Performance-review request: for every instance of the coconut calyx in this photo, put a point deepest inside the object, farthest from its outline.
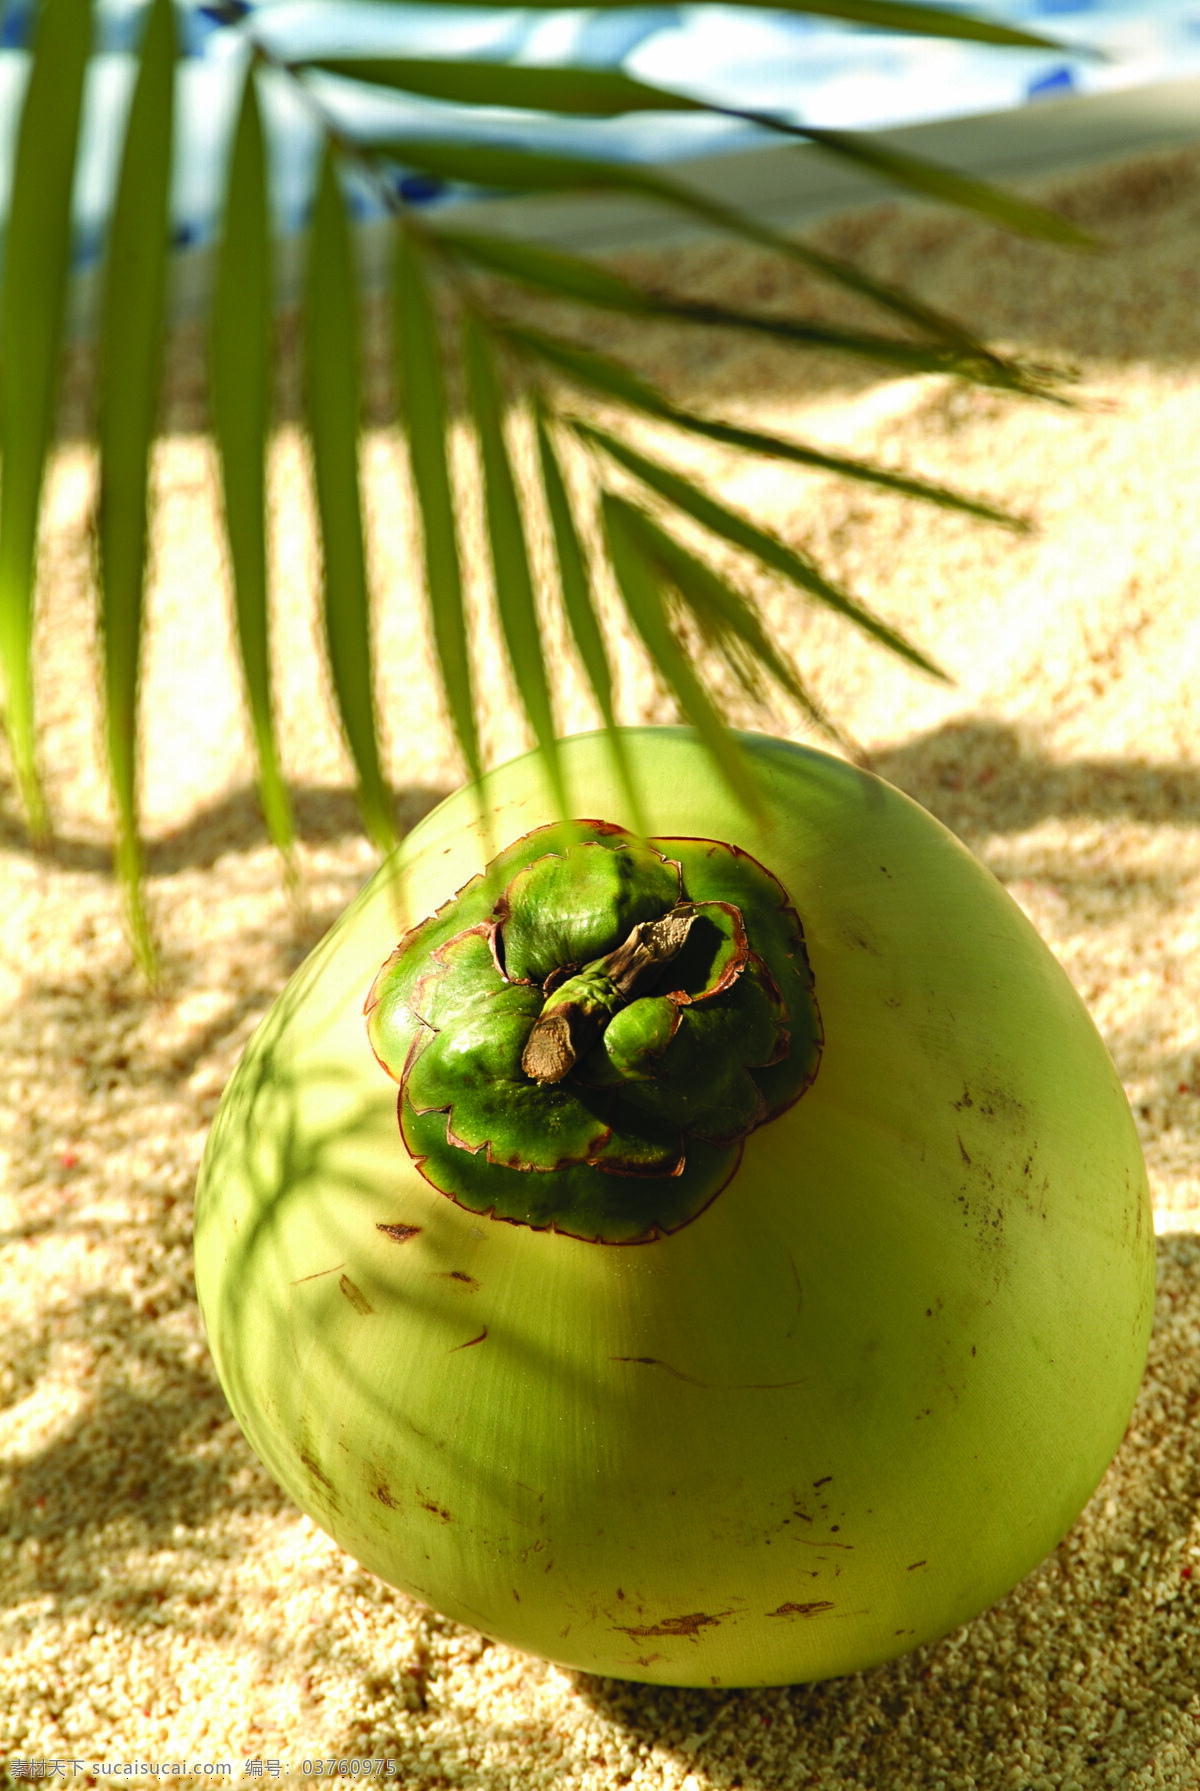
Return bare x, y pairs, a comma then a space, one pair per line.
577, 1012
586, 1033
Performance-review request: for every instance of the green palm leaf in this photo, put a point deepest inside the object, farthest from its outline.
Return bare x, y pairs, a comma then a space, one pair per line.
725, 619
585, 282
578, 607
510, 556
640, 582
595, 92
659, 580
919, 175
740, 532
609, 377
548, 270
422, 394
131, 333
240, 378
609, 93
538, 171
884, 15
37, 255
332, 396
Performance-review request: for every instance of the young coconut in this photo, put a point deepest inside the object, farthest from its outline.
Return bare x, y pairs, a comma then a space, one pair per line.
720, 1259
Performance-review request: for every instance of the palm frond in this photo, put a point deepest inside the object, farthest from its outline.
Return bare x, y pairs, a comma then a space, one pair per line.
574, 277
574, 583
130, 352
332, 398
548, 270
37, 254
640, 580
240, 369
513, 577
422, 392
568, 89
582, 92
726, 621
517, 375
882, 15
484, 164
916, 174
740, 532
610, 378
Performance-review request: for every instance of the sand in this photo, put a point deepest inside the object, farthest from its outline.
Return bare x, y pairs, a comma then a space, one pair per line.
160, 1600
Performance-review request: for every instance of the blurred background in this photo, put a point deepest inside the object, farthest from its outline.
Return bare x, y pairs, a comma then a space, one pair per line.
808, 70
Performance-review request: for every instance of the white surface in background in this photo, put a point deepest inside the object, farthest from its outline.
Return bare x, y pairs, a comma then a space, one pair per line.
807, 70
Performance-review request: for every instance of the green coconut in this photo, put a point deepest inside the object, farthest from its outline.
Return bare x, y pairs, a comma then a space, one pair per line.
718, 1258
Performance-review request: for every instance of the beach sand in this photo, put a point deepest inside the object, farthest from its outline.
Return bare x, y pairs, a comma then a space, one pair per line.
160, 1599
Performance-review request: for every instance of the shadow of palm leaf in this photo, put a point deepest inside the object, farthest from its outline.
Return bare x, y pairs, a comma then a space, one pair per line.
1074, 1642
982, 776
323, 814
146, 1451
283, 1163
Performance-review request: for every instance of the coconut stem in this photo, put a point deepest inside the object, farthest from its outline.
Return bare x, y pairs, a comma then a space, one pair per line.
576, 1014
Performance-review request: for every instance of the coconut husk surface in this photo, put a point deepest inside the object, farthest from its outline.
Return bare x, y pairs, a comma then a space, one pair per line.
161, 1601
